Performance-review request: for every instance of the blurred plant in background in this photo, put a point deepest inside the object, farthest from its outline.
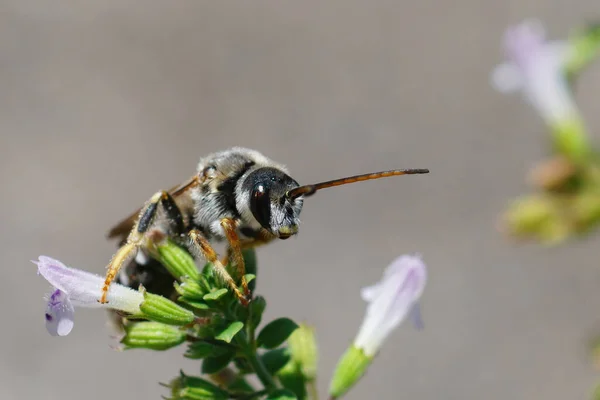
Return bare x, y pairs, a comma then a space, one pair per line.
566, 198
566, 201
240, 358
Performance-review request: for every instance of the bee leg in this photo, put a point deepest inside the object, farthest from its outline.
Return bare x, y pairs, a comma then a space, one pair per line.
235, 249
137, 234
209, 254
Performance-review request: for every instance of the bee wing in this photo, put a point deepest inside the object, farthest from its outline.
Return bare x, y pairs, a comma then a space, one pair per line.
122, 229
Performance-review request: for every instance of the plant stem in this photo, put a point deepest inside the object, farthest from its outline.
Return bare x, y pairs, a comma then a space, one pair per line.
261, 371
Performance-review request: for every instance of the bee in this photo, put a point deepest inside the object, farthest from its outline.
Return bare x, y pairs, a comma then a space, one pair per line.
237, 196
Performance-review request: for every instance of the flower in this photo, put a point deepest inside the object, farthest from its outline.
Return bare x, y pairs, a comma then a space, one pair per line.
390, 301
73, 287
537, 68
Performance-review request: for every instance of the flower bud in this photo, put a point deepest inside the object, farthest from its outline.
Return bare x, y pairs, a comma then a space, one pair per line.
160, 309
194, 388
152, 335
193, 289
177, 260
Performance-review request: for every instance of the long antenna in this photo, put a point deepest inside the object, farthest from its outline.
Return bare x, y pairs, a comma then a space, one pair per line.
309, 190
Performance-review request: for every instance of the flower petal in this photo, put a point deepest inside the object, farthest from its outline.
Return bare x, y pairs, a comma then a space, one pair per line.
390, 301
59, 314
84, 288
506, 78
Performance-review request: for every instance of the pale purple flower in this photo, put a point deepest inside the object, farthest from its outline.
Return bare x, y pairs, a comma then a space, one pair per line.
74, 287
391, 300
535, 67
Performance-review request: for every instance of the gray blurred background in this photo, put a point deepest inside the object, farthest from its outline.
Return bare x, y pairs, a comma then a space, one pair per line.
103, 103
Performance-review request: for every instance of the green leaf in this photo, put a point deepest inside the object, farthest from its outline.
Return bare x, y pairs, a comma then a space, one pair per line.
275, 333
212, 365
216, 295
228, 333
249, 278
257, 307
282, 394
200, 350
276, 359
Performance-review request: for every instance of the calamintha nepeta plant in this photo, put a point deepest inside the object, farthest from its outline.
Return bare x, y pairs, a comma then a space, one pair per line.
229, 337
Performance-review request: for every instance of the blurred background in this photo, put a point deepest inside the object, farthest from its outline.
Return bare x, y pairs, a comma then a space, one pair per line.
103, 103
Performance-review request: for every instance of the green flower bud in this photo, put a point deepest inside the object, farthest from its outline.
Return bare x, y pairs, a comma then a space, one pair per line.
586, 207
152, 335
177, 260
527, 215
349, 370
303, 347
160, 309
194, 388
193, 289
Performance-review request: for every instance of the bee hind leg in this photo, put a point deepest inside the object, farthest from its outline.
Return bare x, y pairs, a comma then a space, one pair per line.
136, 237
208, 253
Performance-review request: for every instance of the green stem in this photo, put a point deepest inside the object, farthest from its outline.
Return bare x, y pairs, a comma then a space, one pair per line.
249, 350
261, 371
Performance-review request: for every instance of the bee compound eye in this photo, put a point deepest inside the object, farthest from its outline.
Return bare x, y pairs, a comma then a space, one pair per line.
260, 205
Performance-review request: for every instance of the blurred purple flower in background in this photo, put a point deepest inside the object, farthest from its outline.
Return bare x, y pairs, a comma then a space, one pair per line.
536, 66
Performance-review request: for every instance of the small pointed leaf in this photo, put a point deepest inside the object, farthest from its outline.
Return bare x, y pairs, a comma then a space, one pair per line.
274, 360
275, 333
212, 365
230, 331
200, 350
216, 295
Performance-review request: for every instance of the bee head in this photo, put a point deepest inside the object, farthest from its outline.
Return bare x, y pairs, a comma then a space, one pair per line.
264, 199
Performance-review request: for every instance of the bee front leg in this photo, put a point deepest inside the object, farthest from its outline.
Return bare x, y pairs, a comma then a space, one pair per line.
208, 253
136, 237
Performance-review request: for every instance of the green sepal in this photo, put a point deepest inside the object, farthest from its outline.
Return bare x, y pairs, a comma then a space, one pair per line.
275, 333
571, 140
349, 370
214, 364
227, 334
152, 335
282, 394
195, 388
161, 309
256, 309
303, 348
216, 295
202, 349
177, 260
275, 360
